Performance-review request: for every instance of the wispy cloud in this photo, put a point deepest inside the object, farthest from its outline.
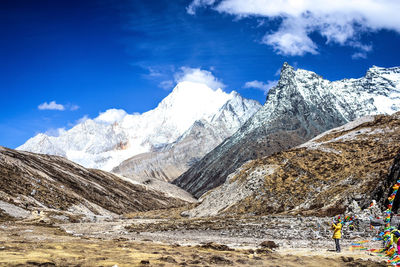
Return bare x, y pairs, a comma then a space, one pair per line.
110, 116
291, 39
54, 106
199, 76
191, 9
261, 85
73, 107
363, 50
82, 119
51, 106
55, 131
278, 72
154, 72
340, 22
166, 85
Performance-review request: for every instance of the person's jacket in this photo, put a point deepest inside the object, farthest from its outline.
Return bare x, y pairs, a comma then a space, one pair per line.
395, 235
337, 230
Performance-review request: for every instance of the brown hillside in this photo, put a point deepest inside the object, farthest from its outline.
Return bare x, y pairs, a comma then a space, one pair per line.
322, 176
33, 181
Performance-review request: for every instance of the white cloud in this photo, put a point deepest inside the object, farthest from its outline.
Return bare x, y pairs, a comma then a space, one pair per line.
154, 72
55, 132
111, 115
166, 85
359, 55
199, 76
54, 106
340, 21
363, 50
291, 39
51, 106
73, 107
83, 119
261, 85
191, 9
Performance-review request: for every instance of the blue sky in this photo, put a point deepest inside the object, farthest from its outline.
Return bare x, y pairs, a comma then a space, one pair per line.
66, 60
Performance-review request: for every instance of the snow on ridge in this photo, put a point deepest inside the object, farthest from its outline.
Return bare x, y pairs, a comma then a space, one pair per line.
315, 143
378, 92
113, 136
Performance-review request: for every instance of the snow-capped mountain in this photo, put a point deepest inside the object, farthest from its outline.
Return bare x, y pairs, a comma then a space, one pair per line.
345, 168
302, 105
114, 136
203, 136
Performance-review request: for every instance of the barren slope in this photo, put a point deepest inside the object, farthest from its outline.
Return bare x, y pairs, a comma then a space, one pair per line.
322, 176
31, 181
302, 105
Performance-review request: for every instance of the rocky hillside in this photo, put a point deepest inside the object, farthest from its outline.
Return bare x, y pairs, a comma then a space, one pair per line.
394, 175
322, 177
174, 159
115, 136
30, 182
301, 106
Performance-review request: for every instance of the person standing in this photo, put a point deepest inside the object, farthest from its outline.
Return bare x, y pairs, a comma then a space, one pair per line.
337, 228
396, 237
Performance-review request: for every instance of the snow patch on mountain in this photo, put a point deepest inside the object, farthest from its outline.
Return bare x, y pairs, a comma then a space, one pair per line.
202, 136
115, 136
301, 106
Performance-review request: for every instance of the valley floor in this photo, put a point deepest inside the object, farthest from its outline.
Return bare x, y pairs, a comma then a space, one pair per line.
141, 241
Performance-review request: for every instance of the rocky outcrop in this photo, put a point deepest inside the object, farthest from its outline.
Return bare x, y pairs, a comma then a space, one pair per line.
352, 163
382, 193
30, 182
172, 160
301, 106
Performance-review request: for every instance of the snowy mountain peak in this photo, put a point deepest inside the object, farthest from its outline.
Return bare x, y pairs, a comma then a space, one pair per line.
287, 70
113, 136
378, 92
300, 106
191, 87
290, 76
376, 69
286, 67
186, 94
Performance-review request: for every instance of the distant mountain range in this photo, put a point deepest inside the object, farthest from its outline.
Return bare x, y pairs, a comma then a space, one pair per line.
204, 135
192, 111
301, 106
341, 170
200, 136
230, 152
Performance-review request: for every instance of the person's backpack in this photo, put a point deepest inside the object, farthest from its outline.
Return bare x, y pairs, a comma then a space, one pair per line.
396, 233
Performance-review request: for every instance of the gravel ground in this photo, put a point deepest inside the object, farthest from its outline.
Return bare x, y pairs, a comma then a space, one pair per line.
173, 242
287, 232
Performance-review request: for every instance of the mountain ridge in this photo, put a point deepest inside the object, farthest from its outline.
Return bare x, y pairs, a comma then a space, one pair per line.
114, 136
344, 168
31, 182
170, 161
301, 106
